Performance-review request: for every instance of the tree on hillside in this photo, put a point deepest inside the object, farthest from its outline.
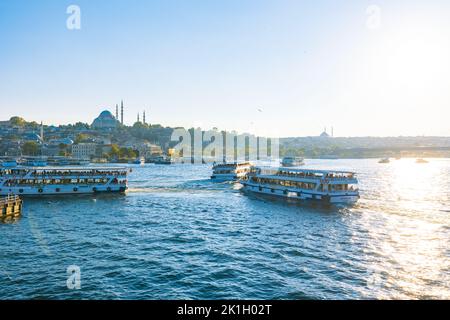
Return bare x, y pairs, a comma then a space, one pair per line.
30, 148
17, 121
63, 150
115, 151
81, 137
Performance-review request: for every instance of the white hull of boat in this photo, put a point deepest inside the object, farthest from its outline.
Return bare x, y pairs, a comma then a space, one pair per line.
297, 194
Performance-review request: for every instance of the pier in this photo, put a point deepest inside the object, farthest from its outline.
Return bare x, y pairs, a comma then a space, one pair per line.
10, 206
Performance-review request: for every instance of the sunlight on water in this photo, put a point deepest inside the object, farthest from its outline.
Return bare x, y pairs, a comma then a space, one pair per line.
412, 233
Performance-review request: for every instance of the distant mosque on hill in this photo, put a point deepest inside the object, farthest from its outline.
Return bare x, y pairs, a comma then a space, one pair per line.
325, 134
106, 120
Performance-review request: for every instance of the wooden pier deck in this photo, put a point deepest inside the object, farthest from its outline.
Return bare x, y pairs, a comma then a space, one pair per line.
10, 206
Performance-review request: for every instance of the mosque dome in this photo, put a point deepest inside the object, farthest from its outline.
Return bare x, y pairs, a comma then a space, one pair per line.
105, 120
106, 115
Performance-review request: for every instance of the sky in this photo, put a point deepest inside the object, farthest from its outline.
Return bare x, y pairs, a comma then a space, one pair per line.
270, 67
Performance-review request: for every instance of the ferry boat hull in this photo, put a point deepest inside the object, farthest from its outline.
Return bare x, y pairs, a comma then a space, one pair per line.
300, 195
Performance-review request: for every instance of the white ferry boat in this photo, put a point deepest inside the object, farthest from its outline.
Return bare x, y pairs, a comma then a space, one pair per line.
68, 180
325, 186
230, 171
292, 162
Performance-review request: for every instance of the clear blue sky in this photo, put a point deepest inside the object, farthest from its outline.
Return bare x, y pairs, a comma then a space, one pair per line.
210, 63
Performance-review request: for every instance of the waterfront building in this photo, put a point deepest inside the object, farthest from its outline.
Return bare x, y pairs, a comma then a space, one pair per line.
5, 124
84, 150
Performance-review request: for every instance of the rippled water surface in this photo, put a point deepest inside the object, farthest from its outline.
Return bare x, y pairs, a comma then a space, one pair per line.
176, 235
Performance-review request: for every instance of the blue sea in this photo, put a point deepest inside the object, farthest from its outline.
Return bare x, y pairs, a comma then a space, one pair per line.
177, 235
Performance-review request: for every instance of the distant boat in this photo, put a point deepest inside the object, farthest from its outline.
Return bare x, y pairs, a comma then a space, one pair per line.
163, 160
292, 161
385, 160
420, 160
139, 161
230, 171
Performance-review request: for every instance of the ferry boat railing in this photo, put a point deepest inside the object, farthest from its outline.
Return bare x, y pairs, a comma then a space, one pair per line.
309, 177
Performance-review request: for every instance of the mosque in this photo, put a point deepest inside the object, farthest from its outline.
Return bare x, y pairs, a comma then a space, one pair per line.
106, 120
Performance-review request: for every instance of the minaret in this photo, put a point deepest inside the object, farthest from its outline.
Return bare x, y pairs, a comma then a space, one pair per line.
42, 132
117, 112
138, 118
143, 117
121, 112
332, 132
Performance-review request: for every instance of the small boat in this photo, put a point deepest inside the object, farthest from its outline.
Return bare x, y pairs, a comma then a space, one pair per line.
420, 160
230, 171
385, 160
163, 160
325, 186
292, 161
37, 181
139, 161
